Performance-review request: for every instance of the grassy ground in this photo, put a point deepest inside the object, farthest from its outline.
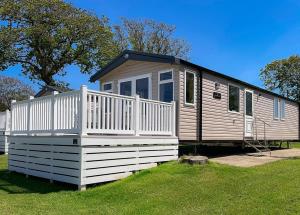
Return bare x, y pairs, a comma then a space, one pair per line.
169, 189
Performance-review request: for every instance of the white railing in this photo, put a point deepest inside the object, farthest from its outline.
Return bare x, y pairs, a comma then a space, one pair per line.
5, 120
93, 112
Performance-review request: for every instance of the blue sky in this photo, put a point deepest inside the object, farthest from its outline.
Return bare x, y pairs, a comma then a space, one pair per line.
236, 38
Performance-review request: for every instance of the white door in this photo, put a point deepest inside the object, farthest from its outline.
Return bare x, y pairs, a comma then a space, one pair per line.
248, 110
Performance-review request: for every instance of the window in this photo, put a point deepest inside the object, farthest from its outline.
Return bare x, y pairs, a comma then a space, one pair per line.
249, 107
139, 85
234, 98
165, 83
279, 108
189, 88
126, 88
107, 87
282, 112
276, 108
142, 88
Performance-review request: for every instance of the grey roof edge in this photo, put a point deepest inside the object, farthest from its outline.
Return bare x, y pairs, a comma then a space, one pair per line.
131, 55
142, 56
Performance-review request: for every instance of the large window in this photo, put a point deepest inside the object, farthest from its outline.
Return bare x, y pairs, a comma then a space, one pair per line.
139, 85
233, 98
107, 87
165, 83
189, 88
279, 108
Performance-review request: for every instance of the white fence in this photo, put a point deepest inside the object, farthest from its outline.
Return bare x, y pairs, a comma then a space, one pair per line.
92, 112
5, 121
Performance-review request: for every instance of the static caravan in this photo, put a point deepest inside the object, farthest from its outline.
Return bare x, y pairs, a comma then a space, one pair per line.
212, 108
4, 131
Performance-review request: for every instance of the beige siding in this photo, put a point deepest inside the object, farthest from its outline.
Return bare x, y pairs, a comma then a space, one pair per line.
136, 68
286, 129
219, 124
188, 115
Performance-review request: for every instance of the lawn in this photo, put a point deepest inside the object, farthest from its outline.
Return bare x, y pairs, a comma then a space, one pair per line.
171, 188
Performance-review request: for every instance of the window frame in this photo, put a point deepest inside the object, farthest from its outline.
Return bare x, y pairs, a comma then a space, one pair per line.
278, 108
282, 101
112, 87
185, 83
245, 108
228, 94
165, 82
133, 83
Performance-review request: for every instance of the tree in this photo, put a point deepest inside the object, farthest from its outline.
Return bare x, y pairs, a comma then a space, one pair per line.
149, 36
283, 76
45, 36
12, 89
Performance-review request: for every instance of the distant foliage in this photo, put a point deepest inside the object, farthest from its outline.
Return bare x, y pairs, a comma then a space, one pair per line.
283, 76
45, 36
150, 36
12, 89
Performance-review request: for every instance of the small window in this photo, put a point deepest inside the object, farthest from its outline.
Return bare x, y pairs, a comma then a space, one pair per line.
189, 88
234, 98
142, 87
282, 109
166, 86
166, 76
126, 88
107, 87
276, 108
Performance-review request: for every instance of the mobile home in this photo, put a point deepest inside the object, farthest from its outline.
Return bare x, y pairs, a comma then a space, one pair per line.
213, 108
146, 106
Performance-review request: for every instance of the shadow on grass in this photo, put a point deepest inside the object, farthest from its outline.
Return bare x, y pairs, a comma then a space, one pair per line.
15, 183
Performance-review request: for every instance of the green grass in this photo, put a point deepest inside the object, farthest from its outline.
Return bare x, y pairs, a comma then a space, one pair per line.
292, 145
169, 189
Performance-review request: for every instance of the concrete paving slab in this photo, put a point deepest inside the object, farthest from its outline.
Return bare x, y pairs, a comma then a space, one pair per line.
255, 159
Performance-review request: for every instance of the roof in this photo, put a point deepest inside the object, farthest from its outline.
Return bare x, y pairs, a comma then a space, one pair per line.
48, 88
141, 56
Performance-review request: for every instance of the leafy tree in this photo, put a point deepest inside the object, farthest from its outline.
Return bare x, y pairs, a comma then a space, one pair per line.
45, 36
149, 36
12, 89
283, 76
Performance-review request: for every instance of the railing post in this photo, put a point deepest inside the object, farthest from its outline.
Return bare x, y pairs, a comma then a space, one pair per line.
53, 112
29, 115
12, 128
174, 118
6, 120
137, 115
83, 108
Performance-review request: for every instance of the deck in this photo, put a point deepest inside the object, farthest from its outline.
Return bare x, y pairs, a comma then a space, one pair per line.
84, 137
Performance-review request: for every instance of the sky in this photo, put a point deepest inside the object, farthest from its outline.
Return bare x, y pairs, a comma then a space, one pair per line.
237, 38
